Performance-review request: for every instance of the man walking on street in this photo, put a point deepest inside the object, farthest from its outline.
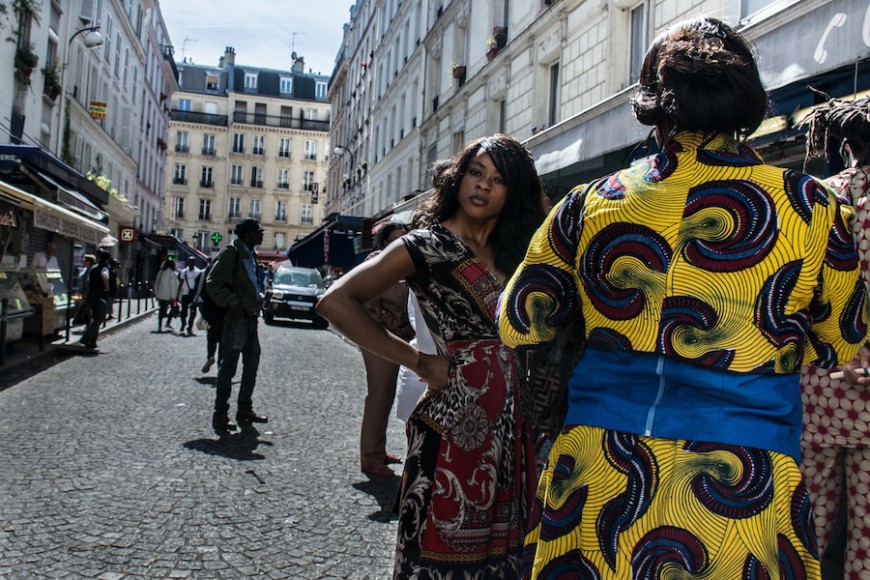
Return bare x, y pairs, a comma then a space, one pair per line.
187, 291
232, 284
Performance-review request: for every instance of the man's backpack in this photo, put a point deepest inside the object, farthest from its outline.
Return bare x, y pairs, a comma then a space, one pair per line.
209, 309
212, 313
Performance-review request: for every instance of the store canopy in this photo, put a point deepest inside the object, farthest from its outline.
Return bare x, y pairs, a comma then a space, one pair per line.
70, 198
179, 249
52, 217
334, 243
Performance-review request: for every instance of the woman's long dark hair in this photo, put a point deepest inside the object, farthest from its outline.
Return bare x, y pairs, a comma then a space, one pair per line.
524, 210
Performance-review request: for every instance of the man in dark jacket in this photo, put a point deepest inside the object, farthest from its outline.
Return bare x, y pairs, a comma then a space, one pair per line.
232, 284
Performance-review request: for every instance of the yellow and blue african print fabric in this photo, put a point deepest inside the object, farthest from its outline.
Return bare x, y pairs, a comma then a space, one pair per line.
613, 505
705, 255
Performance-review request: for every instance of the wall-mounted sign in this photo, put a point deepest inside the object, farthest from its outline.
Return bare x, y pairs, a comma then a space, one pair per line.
8, 215
127, 234
98, 109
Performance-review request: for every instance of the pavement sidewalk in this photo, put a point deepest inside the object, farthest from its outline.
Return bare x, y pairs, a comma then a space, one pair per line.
26, 357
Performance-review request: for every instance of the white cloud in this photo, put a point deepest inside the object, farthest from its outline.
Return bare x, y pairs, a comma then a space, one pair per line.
261, 31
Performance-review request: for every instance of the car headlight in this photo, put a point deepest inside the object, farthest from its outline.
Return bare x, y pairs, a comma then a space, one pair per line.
277, 295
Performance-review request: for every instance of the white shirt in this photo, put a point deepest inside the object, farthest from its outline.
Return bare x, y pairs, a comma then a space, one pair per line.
40, 261
187, 278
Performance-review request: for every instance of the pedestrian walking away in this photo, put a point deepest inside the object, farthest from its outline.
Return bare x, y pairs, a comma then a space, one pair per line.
96, 297
232, 284
166, 291
213, 316
699, 276
186, 293
836, 435
470, 466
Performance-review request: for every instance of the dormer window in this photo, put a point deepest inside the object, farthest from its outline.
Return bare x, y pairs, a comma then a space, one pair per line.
286, 85
251, 81
212, 83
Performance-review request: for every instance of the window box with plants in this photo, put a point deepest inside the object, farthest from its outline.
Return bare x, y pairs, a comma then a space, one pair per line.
51, 88
496, 42
25, 61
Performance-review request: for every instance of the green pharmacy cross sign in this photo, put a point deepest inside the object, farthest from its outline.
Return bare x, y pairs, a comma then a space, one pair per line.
216, 238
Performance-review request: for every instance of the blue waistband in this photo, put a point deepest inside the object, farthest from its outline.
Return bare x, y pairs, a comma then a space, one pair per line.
650, 394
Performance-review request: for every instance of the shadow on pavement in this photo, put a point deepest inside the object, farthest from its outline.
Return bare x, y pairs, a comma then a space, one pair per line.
385, 490
206, 381
239, 446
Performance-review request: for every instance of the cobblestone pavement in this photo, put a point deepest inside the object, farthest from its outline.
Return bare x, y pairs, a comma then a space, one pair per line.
110, 468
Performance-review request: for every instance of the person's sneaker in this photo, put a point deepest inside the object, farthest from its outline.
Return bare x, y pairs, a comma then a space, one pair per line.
168, 326
250, 417
207, 365
222, 422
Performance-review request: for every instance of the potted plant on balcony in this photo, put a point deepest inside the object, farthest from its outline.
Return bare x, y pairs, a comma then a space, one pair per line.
459, 73
496, 42
51, 88
25, 61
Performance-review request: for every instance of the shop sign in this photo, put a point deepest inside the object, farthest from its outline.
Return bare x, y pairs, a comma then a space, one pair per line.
127, 234
45, 219
98, 109
8, 216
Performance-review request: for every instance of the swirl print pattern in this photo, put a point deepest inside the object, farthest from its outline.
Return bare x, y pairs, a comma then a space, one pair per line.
699, 509
704, 254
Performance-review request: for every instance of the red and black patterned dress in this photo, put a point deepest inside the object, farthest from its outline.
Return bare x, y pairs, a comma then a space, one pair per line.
469, 468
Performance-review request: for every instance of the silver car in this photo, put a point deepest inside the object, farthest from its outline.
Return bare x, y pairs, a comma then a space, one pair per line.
293, 294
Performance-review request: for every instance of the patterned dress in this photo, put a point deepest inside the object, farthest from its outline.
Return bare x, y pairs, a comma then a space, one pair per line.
836, 437
706, 279
462, 506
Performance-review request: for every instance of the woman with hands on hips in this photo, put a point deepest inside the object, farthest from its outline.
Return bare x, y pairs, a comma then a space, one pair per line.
469, 465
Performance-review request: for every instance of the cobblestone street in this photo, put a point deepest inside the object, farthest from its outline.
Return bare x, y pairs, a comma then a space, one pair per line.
111, 469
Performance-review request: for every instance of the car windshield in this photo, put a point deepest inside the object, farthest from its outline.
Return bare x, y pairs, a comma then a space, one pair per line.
298, 278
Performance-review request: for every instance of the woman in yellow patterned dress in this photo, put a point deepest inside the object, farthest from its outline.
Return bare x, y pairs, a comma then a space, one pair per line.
706, 278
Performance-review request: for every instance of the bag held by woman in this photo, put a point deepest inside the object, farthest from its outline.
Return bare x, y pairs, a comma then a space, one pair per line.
544, 392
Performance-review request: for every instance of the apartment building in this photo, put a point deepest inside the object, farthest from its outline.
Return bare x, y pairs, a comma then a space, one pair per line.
558, 75
82, 124
246, 142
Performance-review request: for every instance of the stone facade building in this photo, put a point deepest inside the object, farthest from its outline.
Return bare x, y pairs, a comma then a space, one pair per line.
246, 142
417, 79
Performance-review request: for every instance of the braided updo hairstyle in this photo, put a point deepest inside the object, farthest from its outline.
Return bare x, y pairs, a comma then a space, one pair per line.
835, 124
700, 75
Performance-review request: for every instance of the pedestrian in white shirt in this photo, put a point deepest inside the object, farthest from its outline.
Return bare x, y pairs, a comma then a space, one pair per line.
186, 293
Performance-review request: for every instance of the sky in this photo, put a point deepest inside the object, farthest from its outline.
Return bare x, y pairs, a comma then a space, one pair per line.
261, 31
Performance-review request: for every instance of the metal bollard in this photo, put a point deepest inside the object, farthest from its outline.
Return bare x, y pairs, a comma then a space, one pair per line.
138, 297
128, 301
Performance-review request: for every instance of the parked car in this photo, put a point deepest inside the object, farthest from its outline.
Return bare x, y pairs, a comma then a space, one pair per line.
293, 294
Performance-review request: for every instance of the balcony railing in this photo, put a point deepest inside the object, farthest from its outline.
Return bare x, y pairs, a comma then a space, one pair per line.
258, 151
281, 218
194, 117
182, 149
206, 183
179, 181
234, 215
285, 154
255, 183
206, 217
239, 150
280, 121
281, 185
255, 215
208, 152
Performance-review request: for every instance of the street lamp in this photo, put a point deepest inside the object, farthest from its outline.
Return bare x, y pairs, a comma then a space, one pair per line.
341, 150
92, 39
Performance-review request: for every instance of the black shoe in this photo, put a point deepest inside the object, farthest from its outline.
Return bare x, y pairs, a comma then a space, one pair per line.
222, 422
250, 417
